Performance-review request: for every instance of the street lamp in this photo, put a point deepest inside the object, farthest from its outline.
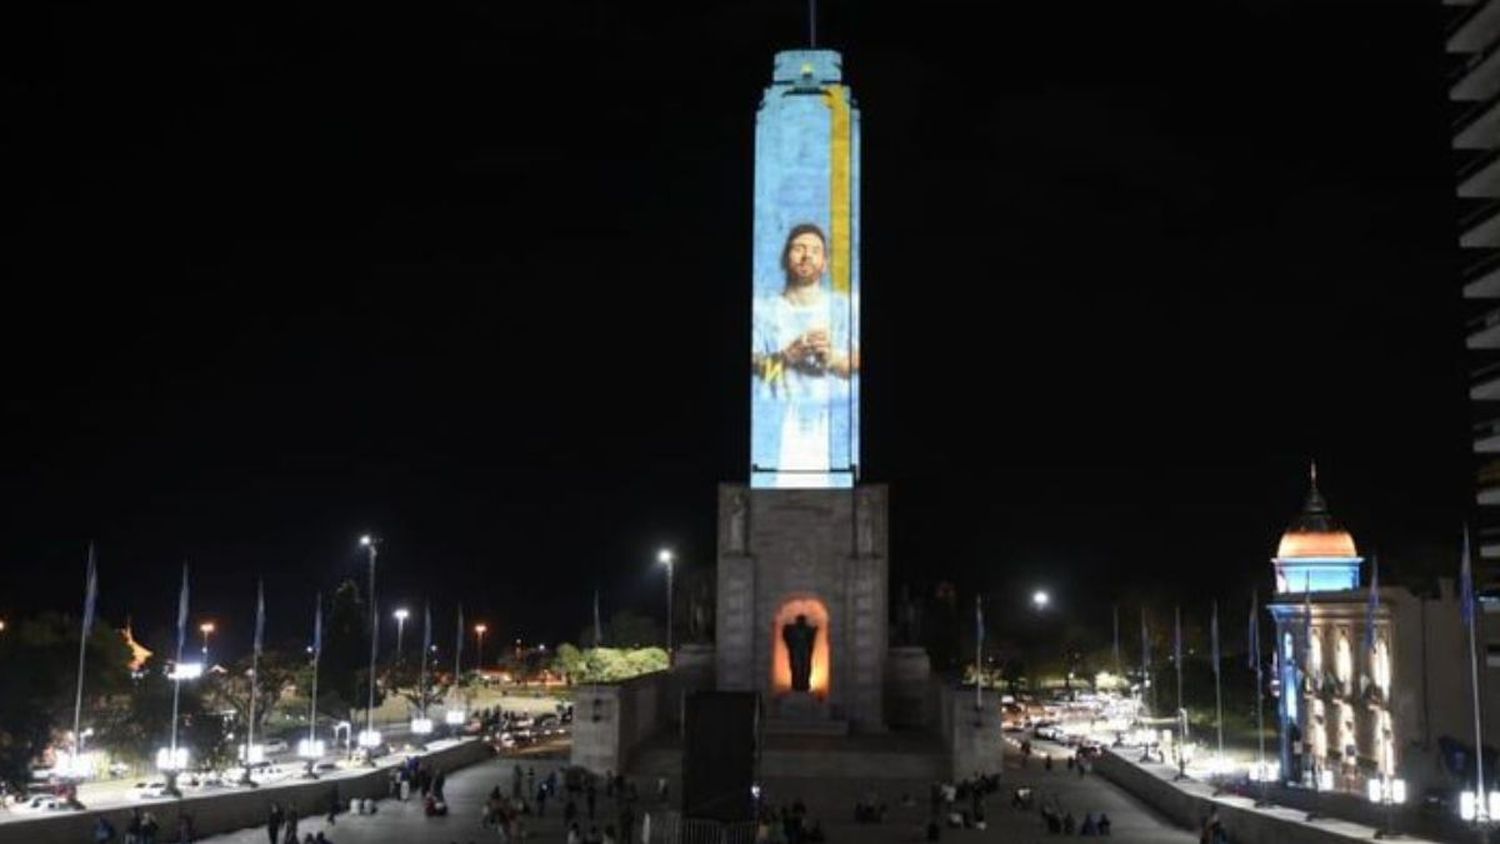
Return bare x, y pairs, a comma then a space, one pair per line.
1040, 599
479, 630
665, 557
401, 615
206, 628
1388, 792
370, 738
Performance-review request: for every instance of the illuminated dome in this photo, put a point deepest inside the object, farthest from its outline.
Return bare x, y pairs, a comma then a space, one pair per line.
1313, 532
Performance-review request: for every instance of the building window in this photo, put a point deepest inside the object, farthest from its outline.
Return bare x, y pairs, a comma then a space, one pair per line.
1381, 668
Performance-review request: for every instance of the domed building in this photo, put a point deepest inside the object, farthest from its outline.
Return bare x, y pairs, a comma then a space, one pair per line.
1316, 554
1366, 676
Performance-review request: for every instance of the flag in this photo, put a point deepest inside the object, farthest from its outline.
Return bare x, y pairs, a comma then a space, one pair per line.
458, 645
318, 626
1213, 632
90, 593
598, 625
1466, 584
1145, 645
1177, 636
1117, 637
1254, 632
182, 612
1372, 609
979, 621
260, 615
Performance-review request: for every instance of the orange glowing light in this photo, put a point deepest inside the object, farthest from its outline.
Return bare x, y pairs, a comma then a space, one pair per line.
781, 667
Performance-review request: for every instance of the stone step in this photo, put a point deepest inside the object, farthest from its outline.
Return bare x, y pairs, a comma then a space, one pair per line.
805, 727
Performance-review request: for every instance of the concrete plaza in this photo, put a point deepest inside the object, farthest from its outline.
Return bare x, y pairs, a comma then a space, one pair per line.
829, 801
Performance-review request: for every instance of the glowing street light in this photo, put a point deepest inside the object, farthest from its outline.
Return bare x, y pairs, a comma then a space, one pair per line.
401, 616
479, 630
369, 543
1040, 599
207, 629
665, 557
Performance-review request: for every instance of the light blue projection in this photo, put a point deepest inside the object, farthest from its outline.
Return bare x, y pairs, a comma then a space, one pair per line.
805, 358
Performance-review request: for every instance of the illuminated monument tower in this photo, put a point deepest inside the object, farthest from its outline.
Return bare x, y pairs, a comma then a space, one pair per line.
801, 615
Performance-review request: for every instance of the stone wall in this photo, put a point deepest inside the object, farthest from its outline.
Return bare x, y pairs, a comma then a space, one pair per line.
973, 733
1244, 823
777, 545
238, 809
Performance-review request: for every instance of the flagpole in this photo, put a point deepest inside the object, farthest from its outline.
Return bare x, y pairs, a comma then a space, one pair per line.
312, 705
1218, 691
182, 606
1177, 658
1260, 722
260, 619
90, 595
1481, 806
979, 655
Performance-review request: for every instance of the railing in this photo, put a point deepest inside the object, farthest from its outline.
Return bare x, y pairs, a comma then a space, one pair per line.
1478, 264
1478, 162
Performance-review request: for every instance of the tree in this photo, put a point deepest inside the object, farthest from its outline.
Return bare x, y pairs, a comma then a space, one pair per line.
38, 681
569, 662
232, 689
632, 630
143, 723
343, 671
406, 678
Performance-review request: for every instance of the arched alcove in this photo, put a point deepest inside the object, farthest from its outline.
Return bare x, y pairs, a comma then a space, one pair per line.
781, 669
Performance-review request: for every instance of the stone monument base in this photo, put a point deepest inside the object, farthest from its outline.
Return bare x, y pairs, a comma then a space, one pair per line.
801, 713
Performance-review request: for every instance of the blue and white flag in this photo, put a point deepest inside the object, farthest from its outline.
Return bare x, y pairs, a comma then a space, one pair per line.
1177, 635
979, 621
458, 644
260, 615
1466, 584
1255, 631
182, 612
1372, 609
90, 593
1145, 645
1213, 632
317, 646
426, 629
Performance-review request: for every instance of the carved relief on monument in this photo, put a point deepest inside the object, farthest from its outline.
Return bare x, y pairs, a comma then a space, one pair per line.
799, 653
865, 502
736, 523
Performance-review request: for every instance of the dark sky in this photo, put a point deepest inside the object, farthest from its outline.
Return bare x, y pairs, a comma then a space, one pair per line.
475, 276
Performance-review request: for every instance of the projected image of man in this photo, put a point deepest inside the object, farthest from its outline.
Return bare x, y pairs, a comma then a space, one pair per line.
802, 361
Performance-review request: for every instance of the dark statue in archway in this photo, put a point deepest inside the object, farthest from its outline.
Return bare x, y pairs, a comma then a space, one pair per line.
799, 638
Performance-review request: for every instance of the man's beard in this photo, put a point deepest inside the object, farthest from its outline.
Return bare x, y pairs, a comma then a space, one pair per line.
795, 279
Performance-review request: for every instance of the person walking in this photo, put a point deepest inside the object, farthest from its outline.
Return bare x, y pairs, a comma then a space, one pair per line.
291, 824
133, 829
333, 805
274, 820
149, 828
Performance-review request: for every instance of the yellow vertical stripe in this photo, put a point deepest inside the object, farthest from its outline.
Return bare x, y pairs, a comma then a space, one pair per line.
840, 195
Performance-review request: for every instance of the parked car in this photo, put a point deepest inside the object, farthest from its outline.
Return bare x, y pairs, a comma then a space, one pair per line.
276, 745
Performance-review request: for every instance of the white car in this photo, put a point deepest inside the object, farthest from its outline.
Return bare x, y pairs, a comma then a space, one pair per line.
276, 745
151, 791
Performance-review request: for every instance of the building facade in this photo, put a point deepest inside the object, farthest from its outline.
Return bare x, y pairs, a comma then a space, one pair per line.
1474, 43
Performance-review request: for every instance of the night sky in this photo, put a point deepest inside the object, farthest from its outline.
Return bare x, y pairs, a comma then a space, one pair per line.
475, 277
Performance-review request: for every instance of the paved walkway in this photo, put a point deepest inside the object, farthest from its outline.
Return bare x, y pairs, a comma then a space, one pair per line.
830, 801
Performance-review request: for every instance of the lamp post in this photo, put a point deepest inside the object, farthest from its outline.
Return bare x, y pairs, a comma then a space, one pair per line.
479, 631
401, 615
207, 629
370, 738
665, 557
1388, 792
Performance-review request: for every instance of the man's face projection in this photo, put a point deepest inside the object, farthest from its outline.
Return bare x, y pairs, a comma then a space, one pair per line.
805, 260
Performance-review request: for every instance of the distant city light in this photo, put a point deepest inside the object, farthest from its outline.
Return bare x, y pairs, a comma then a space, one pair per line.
186, 671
